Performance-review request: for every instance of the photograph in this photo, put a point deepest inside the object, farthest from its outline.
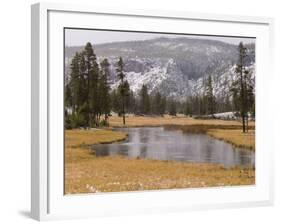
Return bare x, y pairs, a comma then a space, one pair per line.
157, 111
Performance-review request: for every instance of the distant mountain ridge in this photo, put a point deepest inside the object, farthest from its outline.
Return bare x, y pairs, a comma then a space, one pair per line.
176, 67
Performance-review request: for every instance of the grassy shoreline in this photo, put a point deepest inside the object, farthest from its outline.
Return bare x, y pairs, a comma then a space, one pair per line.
86, 173
235, 137
146, 121
228, 131
79, 141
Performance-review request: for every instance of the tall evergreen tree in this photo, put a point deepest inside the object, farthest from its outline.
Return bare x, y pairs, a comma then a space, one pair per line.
250, 96
84, 91
239, 71
196, 102
104, 88
188, 107
131, 103
144, 100
163, 105
126, 92
123, 86
156, 104
92, 77
242, 89
173, 108
74, 83
67, 106
76, 88
210, 97
116, 101
67, 96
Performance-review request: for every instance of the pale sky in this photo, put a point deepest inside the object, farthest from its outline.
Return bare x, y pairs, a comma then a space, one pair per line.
78, 37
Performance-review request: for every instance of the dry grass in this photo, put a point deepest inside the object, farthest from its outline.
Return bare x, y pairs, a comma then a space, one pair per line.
139, 121
90, 137
235, 137
77, 142
112, 174
85, 173
229, 131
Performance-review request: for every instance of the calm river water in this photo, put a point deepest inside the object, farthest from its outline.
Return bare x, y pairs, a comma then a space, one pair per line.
163, 144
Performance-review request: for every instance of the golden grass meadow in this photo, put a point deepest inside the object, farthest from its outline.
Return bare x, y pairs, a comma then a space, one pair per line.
86, 173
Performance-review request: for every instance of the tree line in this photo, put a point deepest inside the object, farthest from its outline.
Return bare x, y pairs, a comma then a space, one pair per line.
89, 101
87, 91
243, 89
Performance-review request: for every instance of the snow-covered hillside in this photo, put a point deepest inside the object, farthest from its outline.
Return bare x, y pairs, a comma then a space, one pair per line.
176, 67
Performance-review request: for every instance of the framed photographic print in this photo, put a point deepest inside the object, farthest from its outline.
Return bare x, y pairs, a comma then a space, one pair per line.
148, 111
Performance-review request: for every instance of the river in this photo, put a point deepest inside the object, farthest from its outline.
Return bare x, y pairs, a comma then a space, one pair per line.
162, 144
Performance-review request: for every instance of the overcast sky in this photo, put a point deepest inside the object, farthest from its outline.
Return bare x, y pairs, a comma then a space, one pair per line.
78, 37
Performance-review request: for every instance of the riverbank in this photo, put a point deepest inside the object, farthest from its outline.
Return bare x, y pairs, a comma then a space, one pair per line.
235, 137
86, 173
154, 121
226, 130
77, 142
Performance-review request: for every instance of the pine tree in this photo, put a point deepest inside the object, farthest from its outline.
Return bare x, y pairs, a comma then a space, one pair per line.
210, 97
67, 96
123, 86
249, 96
144, 100
242, 89
116, 101
75, 85
67, 106
156, 104
131, 103
197, 104
239, 71
104, 88
126, 89
163, 105
188, 107
92, 77
83, 108
173, 108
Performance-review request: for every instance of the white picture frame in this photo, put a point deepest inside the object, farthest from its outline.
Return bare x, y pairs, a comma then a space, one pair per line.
47, 198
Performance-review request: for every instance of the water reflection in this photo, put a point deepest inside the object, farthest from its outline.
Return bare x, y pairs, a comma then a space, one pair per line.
161, 144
